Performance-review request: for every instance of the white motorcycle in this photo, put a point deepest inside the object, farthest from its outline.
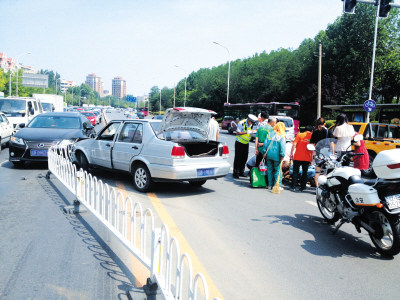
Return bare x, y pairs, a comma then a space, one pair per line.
343, 195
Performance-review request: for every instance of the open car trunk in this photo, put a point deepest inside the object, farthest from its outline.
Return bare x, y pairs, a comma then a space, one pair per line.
201, 149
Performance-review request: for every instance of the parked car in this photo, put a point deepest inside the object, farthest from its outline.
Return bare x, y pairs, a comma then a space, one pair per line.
174, 149
140, 114
91, 116
98, 116
6, 130
32, 142
80, 109
132, 116
108, 110
377, 137
158, 117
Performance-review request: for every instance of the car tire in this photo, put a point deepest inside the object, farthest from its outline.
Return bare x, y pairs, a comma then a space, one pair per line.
230, 129
197, 183
142, 180
18, 164
83, 162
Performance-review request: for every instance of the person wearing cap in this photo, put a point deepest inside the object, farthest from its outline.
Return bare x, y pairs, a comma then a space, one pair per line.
243, 137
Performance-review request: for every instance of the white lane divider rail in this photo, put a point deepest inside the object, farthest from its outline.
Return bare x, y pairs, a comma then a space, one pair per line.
129, 224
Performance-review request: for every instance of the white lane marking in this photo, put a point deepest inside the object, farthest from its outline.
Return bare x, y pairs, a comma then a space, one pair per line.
312, 203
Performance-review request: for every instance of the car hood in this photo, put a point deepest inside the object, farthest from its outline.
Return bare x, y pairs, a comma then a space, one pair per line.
186, 118
32, 134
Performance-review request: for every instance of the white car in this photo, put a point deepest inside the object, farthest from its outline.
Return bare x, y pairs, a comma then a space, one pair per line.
174, 149
6, 130
289, 124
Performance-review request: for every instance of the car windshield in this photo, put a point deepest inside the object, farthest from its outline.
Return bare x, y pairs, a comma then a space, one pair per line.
87, 114
55, 122
288, 122
12, 105
46, 106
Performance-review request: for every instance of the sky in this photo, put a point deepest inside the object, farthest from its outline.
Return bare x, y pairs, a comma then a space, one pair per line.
143, 40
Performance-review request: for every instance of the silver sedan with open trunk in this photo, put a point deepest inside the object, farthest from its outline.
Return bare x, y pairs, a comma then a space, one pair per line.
174, 149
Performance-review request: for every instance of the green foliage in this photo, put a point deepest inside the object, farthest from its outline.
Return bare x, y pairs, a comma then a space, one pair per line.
329, 123
291, 75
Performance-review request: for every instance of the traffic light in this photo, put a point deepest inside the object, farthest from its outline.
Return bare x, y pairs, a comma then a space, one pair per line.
384, 8
349, 6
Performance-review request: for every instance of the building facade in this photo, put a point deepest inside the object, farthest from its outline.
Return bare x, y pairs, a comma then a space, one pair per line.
119, 87
95, 83
65, 84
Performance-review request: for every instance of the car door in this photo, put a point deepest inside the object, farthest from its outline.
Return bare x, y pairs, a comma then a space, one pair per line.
128, 144
7, 127
100, 151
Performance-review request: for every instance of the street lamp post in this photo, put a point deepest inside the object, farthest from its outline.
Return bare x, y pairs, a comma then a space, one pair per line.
184, 103
80, 94
229, 69
160, 103
17, 68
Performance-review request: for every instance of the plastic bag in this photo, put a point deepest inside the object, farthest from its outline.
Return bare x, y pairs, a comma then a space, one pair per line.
256, 179
262, 167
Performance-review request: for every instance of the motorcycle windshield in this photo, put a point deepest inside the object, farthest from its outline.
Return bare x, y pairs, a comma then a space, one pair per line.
326, 148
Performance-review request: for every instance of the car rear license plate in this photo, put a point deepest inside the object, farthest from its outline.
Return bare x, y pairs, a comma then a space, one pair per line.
39, 152
205, 172
393, 201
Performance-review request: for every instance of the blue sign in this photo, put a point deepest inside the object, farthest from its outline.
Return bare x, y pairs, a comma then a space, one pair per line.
370, 105
131, 99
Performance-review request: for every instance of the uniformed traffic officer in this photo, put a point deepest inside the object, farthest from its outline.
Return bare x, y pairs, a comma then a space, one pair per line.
243, 137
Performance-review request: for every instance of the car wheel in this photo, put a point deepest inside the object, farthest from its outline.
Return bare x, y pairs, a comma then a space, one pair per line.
18, 164
197, 182
83, 162
142, 178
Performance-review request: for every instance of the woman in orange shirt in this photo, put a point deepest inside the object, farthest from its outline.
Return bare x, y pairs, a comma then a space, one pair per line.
302, 158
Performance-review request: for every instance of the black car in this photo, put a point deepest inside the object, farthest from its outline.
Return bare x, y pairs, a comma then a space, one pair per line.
140, 115
32, 142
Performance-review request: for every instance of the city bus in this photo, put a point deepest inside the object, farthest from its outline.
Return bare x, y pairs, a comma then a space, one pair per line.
233, 113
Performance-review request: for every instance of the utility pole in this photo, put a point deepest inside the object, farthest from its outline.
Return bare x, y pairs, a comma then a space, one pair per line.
174, 93
320, 55
319, 79
9, 86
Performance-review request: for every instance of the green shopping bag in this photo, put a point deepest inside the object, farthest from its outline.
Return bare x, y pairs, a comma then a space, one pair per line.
257, 180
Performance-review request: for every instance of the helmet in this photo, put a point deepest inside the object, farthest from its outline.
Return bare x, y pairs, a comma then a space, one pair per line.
252, 118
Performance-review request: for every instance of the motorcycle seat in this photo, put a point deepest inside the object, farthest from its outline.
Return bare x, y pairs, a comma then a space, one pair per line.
370, 182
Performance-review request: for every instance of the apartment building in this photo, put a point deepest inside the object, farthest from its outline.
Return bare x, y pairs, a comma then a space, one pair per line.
95, 83
119, 87
65, 84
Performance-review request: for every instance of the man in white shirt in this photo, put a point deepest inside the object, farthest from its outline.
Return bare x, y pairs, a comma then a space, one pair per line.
213, 130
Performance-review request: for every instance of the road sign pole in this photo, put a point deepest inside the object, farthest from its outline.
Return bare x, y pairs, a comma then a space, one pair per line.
373, 55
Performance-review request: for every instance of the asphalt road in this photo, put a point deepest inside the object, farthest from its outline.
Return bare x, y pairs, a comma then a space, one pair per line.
252, 244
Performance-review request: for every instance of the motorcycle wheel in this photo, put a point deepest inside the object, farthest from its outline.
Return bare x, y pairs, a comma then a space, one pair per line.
387, 237
329, 216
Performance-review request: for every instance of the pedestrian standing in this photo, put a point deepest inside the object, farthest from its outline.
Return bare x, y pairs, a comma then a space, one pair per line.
302, 157
320, 133
263, 129
243, 137
213, 130
344, 132
274, 151
360, 162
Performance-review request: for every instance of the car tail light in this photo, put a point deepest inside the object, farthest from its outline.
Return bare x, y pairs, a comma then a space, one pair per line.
394, 166
178, 152
225, 151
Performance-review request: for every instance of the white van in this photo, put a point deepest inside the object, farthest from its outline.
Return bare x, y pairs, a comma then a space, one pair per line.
20, 109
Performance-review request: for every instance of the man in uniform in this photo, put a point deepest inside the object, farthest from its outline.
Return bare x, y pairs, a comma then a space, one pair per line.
243, 137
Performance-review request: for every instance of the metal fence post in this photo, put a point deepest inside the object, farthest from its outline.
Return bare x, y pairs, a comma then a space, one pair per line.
151, 287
